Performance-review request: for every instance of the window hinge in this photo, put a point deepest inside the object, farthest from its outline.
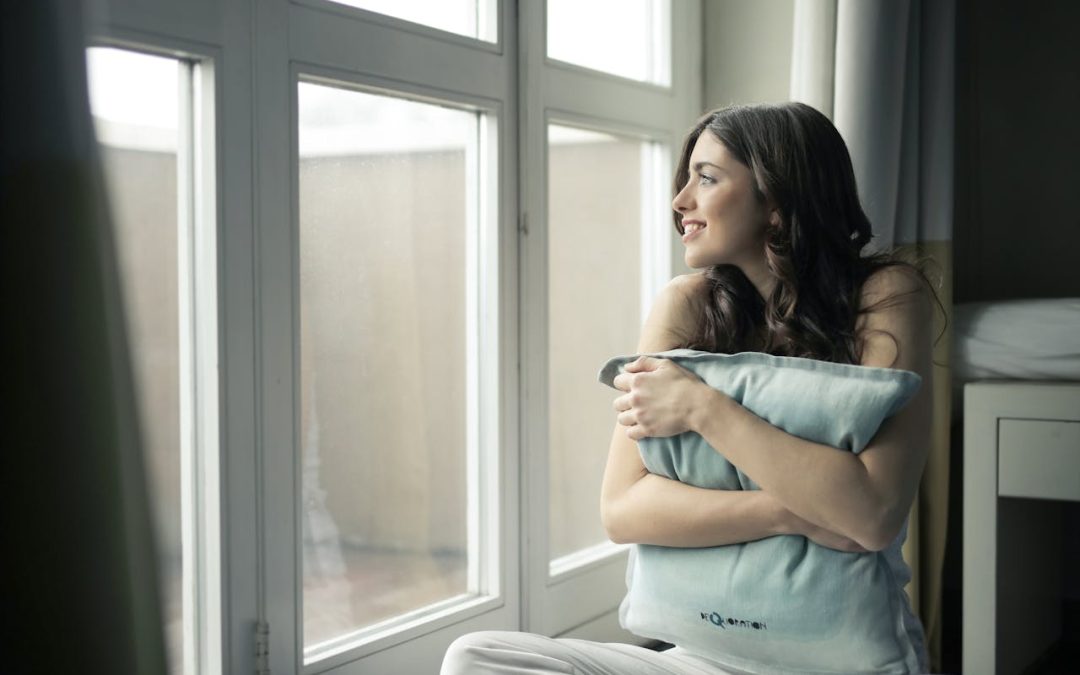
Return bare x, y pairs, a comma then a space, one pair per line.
523, 223
262, 648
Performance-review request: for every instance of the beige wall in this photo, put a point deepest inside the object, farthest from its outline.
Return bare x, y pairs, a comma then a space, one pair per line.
383, 346
595, 313
747, 51
144, 213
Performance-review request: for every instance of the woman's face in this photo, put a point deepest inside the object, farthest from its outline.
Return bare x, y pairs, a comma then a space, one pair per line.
723, 221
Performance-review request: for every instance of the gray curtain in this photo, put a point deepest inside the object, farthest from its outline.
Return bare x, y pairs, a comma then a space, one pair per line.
883, 71
78, 576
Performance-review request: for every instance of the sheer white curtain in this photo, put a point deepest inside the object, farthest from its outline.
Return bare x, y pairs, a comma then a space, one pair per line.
883, 71
78, 577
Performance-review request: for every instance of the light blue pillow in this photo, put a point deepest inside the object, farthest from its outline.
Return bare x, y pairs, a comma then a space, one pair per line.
782, 604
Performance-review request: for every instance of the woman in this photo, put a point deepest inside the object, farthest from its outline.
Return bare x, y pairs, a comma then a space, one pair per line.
766, 204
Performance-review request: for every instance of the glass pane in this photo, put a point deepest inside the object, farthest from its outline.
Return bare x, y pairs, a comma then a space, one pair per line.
628, 38
595, 204
387, 200
471, 18
134, 101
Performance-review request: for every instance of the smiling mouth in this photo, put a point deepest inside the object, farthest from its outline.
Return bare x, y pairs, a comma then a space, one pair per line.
691, 229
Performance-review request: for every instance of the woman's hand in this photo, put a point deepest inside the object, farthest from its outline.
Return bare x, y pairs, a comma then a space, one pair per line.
821, 536
660, 398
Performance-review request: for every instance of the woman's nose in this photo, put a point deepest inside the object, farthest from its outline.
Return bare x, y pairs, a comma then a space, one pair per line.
682, 200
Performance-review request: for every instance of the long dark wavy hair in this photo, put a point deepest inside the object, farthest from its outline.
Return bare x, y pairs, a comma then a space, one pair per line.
799, 160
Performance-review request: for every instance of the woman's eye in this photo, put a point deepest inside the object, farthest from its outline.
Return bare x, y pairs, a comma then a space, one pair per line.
705, 178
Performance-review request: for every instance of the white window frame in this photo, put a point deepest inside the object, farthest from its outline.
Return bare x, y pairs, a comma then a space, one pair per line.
482, 458
251, 56
581, 600
354, 46
227, 521
198, 271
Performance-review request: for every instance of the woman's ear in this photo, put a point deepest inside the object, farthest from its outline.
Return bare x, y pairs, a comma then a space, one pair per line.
774, 216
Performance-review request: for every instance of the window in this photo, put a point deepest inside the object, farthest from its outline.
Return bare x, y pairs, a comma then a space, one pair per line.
595, 179
386, 248
471, 18
628, 38
600, 201
390, 193
151, 135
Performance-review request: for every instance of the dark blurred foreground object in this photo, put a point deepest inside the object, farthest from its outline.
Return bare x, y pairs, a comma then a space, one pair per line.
78, 580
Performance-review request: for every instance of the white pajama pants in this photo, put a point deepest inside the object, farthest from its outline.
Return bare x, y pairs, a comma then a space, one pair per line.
506, 652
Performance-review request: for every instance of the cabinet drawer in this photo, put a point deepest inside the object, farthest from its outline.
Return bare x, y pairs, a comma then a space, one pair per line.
1039, 458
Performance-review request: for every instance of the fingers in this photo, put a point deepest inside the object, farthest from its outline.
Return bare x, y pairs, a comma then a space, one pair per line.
625, 381
628, 418
622, 381
642, 364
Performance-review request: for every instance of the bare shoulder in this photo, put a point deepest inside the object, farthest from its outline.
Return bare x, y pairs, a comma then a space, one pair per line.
895, 323
685, 292
896, 283
689, 284
676, 313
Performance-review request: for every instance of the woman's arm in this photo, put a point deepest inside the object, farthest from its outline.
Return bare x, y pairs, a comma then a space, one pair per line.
664, 512
864, 497
643, 508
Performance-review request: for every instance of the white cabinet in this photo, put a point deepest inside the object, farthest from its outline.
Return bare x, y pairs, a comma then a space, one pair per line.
1021, 460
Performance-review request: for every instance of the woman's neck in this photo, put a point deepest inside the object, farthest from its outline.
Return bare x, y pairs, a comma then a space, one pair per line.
759, 275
